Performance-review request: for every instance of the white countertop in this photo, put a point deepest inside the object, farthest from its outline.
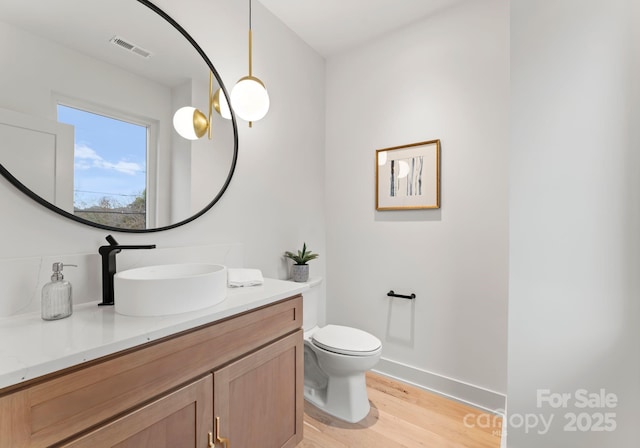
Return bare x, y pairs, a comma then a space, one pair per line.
31, 347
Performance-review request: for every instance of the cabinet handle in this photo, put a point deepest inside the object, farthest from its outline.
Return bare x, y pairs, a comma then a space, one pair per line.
219, 439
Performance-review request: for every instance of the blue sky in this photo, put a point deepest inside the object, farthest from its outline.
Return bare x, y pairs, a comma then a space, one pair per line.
110, 157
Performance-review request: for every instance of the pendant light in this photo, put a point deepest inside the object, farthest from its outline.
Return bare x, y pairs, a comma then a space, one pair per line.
249, 96
191, 123
220, 104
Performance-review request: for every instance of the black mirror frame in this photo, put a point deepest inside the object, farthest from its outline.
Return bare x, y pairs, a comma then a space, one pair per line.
20, 186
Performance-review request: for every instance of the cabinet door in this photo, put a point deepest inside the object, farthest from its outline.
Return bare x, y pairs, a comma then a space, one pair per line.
182, 419
259, 398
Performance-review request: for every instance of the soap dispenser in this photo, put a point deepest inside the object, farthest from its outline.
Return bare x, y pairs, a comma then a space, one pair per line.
56, 295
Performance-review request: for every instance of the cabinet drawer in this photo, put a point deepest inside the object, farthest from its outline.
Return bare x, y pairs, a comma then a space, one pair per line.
59, 407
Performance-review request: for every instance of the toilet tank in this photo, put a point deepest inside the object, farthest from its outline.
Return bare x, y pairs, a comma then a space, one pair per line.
311, 303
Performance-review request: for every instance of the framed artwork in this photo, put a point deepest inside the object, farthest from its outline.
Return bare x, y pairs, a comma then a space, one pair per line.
408, 177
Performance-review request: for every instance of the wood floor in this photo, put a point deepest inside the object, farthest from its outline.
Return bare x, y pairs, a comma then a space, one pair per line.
403, 416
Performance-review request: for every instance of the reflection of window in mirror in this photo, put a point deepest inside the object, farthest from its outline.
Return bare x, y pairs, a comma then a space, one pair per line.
110, 167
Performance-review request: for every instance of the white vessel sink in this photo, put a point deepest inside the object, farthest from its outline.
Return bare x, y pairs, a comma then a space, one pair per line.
169, 289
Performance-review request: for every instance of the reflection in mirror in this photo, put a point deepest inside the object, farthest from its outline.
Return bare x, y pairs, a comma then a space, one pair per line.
86, 118
110, 168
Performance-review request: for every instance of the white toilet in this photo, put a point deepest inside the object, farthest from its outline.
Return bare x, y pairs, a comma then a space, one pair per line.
335, 361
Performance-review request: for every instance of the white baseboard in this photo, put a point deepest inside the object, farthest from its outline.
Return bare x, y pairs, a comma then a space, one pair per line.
475, 396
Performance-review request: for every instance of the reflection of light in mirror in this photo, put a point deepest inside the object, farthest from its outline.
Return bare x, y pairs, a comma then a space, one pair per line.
184, 122
220, 104
382, 158
403, 169
190, 123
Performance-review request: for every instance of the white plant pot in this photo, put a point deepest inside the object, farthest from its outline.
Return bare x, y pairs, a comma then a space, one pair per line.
300, 272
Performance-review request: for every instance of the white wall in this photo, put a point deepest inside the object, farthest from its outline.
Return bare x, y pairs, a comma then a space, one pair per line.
444, 77
573, 307
274, 201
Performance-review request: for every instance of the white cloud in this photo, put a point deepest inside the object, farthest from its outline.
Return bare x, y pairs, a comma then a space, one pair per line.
123, 167
84, 152
87, 158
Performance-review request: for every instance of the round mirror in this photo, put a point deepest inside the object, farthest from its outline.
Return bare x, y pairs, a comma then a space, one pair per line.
89, 91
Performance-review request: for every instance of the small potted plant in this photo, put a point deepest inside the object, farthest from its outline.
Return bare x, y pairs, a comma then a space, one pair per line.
300, 270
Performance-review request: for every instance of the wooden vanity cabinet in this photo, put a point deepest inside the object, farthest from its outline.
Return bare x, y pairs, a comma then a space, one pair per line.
245, 372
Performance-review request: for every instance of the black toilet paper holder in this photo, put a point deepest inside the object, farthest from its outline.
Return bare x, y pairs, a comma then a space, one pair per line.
393, 294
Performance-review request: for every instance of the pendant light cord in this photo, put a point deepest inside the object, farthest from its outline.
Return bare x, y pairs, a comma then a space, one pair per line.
250, 43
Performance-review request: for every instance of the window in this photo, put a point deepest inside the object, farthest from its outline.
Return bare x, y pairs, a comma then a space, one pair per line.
110, 168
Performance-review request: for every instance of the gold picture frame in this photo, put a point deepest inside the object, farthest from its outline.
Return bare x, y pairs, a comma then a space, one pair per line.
408, 176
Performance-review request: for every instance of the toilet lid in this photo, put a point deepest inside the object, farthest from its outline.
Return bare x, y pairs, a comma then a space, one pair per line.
346, 340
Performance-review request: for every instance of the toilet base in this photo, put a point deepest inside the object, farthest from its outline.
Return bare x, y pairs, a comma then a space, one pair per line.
343, 397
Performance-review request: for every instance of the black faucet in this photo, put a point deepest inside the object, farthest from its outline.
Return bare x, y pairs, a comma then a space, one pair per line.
108, 254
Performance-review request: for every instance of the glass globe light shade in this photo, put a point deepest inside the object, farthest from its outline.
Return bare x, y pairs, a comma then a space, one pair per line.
250, 99
190, 123
220, 104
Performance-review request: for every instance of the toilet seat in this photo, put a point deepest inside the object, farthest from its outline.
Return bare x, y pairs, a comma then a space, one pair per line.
346, 340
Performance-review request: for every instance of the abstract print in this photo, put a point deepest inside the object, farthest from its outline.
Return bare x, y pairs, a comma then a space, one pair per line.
406, 177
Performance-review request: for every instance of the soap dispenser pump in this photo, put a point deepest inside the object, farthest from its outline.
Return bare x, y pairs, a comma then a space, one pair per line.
56, 295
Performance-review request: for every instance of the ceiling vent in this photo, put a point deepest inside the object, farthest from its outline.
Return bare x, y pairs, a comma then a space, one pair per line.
127, 45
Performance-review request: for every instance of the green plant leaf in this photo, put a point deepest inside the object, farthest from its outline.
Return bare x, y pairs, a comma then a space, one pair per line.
303, 255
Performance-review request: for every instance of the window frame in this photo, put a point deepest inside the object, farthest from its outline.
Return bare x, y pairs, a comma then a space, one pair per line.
153, 129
